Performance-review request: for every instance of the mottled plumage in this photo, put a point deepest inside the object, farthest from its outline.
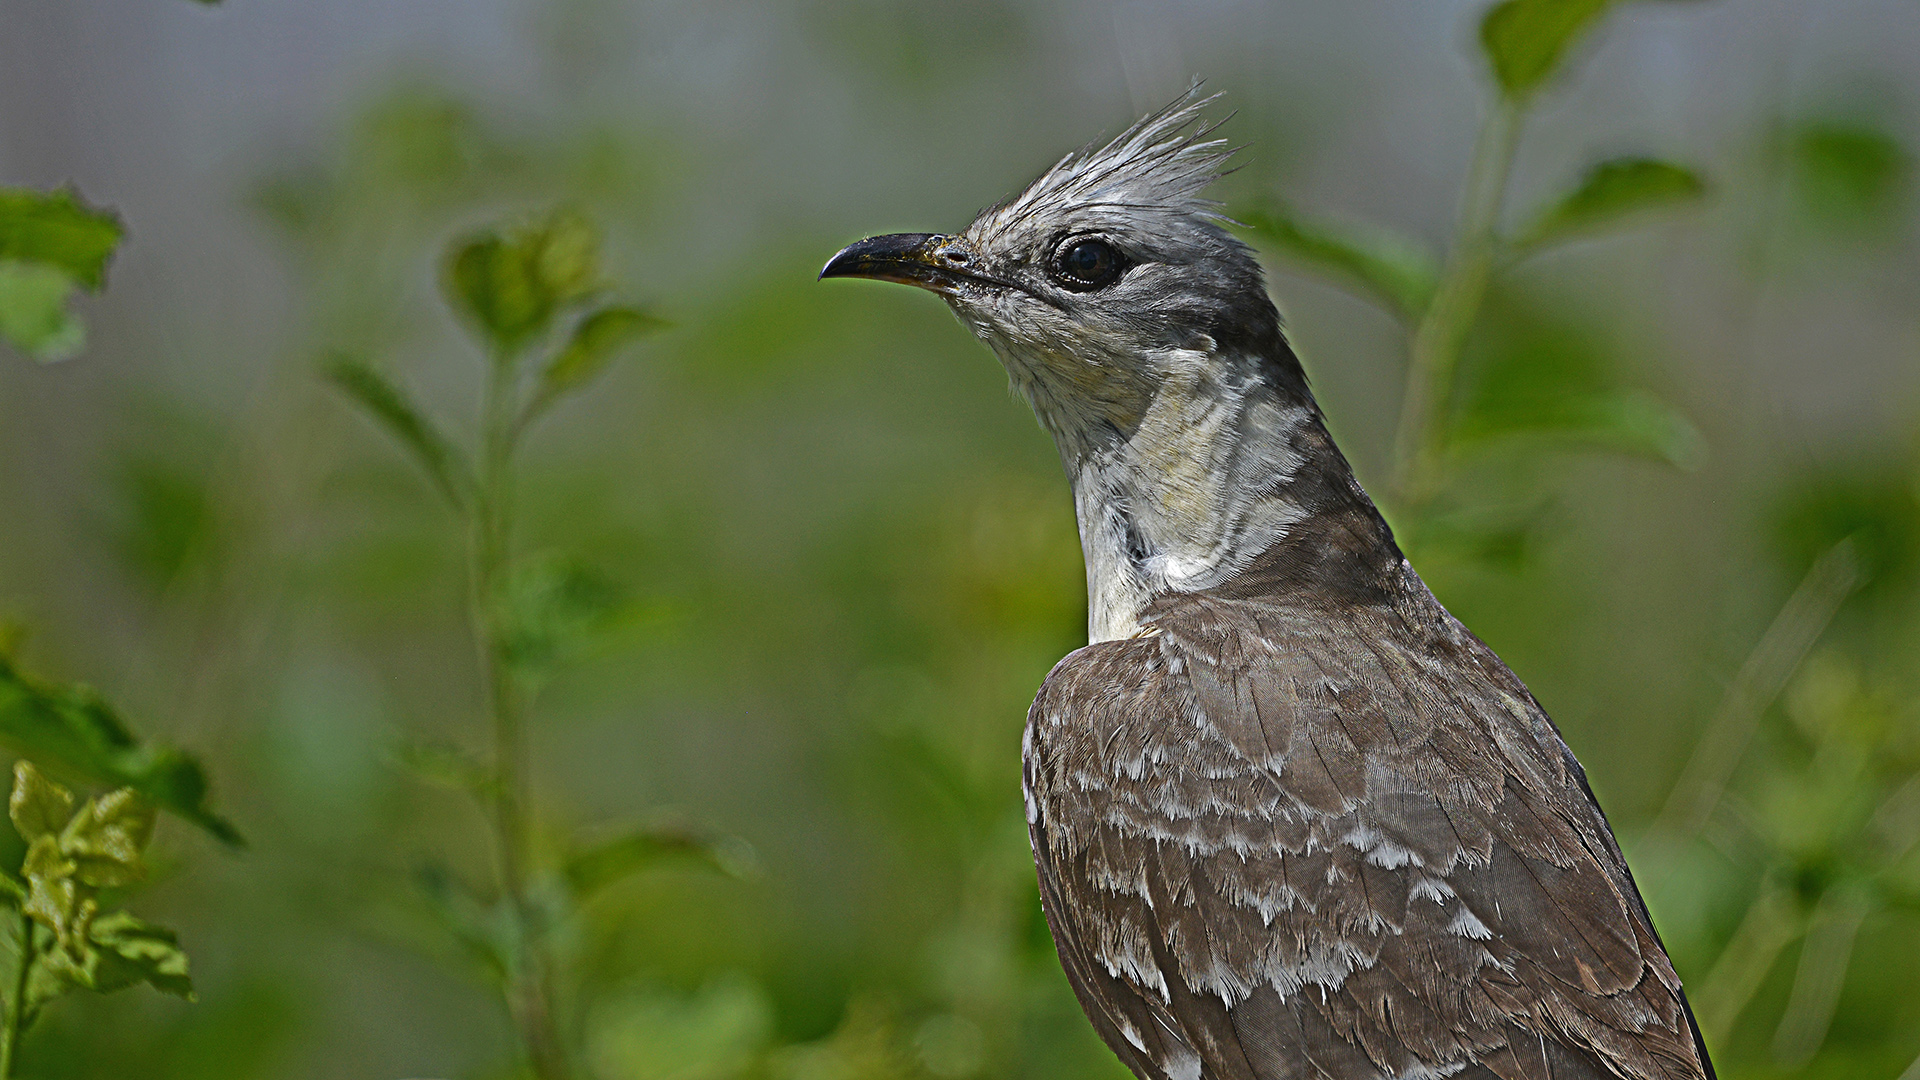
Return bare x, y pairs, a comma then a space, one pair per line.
1291, 818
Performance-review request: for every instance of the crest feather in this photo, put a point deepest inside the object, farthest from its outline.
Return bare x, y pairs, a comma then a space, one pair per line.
1162, 163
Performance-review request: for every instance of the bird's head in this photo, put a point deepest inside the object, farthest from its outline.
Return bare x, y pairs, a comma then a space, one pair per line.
1107, 276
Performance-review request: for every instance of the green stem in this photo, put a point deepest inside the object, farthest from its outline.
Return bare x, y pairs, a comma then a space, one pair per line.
1771, 924
529, 994
1831, 935
1760, 680
1434, 353
16, 1001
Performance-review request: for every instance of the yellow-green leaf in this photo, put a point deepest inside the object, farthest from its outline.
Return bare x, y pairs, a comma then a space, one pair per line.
49, 978
649, 1034
564, 253
115, 951
106, 837
39, 807
548, 605
33, 310
53, 897
131, 951
485, 930
1526, 40
511, 284
445, 766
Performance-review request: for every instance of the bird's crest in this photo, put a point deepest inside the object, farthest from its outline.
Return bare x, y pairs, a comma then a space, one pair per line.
1160, 164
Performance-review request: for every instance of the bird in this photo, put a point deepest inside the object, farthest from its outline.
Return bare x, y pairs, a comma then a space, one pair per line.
1291, 819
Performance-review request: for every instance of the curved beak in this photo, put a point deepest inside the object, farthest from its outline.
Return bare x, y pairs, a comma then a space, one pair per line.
929, 260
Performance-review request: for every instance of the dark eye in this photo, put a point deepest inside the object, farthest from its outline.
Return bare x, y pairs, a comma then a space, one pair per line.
1088, 264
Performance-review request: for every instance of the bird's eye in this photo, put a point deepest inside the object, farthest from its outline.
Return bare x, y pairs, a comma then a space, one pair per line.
1082, 265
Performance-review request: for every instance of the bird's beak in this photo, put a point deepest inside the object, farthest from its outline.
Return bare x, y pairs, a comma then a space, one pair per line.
930, 260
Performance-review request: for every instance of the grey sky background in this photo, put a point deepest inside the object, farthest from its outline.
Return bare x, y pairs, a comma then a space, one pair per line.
831, 119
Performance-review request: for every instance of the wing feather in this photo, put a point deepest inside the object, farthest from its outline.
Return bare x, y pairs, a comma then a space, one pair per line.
1276, 845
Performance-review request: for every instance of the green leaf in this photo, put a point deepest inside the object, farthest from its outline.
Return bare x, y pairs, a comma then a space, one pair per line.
33, 310
485, 930
117, 951
595, 342
1498, 538
1393, 268
46, 980
73, 728
50, 244
132, 951
511, 284
1526, 40
445, 766
167, 516
389, 406
1629, 421
564, 252
1850, 176
106, 837
1871, 503
717, 1034
596, 867
1533, 374
1610, 191
549, 605
58, 230
490, 281
39, 807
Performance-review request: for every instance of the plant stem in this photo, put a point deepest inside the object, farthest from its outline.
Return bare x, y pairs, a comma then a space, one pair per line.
529, 992
16, 1001
1434, 352
1772, 923
1831, 935
1792, 634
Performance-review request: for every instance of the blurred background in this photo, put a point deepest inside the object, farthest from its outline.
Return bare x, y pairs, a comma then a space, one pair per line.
847, 555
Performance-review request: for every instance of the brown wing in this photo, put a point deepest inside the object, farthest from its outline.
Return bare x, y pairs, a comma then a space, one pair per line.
1273, 846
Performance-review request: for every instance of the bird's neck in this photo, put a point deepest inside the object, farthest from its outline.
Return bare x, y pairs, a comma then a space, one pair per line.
1215, 467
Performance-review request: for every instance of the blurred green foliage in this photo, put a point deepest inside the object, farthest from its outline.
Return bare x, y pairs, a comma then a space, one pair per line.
1851, 175
75, 729
781, 592
525, 612
1612, 190
51, 244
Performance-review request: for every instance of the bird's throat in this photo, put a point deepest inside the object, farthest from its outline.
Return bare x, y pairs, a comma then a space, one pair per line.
1184, 495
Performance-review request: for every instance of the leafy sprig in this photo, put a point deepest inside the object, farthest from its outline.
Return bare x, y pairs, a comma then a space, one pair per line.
75, 853
1525, 44
534, 297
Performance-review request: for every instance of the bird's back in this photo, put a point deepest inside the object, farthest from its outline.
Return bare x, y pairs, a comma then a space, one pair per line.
1291, 831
